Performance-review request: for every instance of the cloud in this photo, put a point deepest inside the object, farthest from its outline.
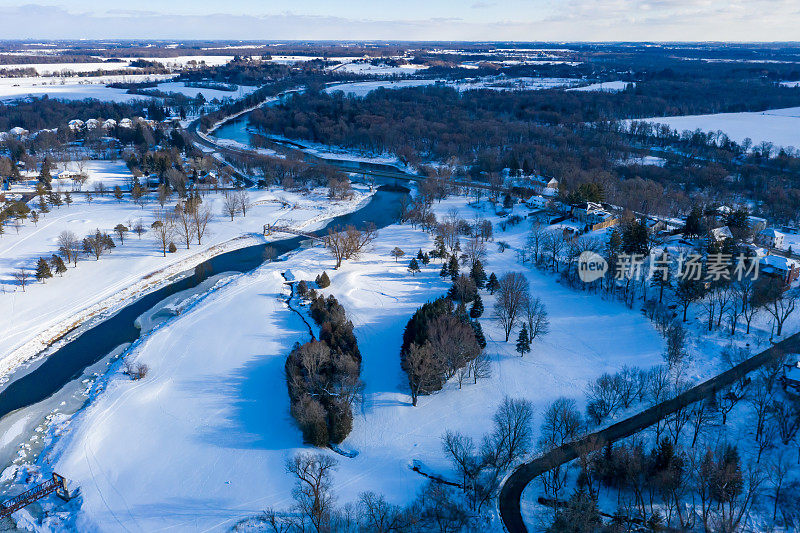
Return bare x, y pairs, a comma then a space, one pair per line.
561, 20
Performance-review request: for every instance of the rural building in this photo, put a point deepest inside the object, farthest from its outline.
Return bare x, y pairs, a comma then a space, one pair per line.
770, 238
782, 267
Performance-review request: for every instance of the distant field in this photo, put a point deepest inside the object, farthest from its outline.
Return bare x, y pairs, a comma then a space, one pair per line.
778, 126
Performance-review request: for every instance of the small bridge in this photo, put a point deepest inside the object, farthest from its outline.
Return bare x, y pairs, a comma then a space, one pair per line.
57, 484
274, 228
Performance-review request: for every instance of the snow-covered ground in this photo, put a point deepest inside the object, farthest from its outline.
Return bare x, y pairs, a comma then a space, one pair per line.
74, 88
79, 88
362, 88
605, 86
201, 442
498, 83
47, 69
378, 70
44, 311
208, 94
778, 126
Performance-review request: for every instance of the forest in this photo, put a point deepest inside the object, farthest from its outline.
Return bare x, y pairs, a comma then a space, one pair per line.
575, 136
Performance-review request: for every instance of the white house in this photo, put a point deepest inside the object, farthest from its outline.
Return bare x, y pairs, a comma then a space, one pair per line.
537, 202
720, 234
770, 237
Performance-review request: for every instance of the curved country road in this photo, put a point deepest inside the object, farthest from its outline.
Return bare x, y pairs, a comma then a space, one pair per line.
511, 491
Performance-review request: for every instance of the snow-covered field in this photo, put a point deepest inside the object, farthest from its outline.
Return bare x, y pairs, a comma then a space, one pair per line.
606, 86
362, 88
73, 88
778, 126
44, 311
201, 442
378, 70
208, 94
46, 69
499, 83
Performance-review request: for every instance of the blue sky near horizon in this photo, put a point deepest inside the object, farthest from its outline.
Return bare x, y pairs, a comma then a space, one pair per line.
522, 20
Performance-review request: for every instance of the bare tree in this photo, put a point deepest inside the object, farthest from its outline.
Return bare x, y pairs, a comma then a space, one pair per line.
778, 469
475, 249
184, 222
511, 436
535, 242
461, 451
69, 246
378, 515
787, 419
138, 228
230, 205
422, 368
163, 229
349, 242
21, 275
535, 314
201, 215
313, 498
562, 423
512, 293
452, 342
243, 199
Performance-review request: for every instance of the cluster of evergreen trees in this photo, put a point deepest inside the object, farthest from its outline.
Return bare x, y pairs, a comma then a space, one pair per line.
323, 376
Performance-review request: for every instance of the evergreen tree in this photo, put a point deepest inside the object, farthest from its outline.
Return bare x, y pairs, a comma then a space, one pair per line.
452, 267
613, 249
426, 258
43, 205
34, 217
478, 275
479, 337
55, 199
439, 250
477, 307
636, 238
523, 341
461, 312
444, 272
694, 223
58, 264
44, 175
493, 284
663, 277
419, 254
323, 280
413, 266
43, 269
67, 198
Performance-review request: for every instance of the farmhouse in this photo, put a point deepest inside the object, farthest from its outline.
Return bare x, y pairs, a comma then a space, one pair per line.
781, 267
770, 238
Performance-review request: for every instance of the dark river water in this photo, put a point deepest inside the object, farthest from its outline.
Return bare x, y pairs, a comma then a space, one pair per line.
68, 362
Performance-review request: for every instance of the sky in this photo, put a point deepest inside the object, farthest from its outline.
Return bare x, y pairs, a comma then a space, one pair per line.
437, 20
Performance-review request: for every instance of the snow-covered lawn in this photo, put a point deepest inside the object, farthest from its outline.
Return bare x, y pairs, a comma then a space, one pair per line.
45, 310
781, 127
201, 442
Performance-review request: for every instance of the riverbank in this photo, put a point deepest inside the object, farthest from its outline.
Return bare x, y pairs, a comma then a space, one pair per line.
46, 314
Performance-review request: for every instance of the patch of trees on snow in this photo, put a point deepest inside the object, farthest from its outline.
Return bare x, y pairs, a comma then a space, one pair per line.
323, 376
